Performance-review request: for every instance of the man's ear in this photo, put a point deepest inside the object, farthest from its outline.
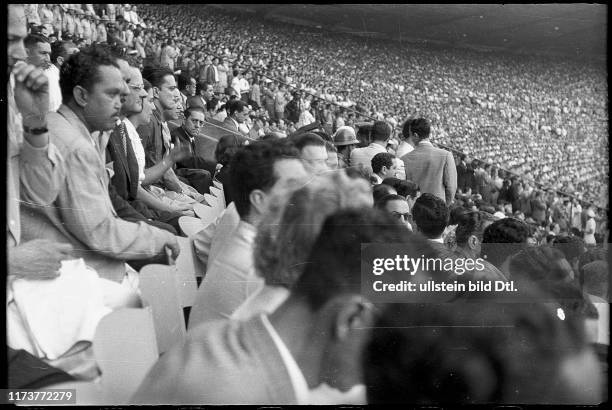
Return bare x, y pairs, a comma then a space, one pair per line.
81, 96
257, 197
472, 242
59, 61
353, 314
155, 92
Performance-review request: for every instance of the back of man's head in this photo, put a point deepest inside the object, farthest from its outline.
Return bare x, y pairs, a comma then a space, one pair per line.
430, 214
252, 167
235, 106
482, 353
380, 160
419, 128
381, 131
308, 139
61, 49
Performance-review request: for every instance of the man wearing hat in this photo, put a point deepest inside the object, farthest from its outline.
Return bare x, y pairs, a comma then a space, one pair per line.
68, 23
345, 140
78, 23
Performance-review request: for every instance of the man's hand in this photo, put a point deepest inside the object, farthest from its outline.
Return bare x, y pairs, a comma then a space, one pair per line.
31, 94
177, 154
173, 248
38, 259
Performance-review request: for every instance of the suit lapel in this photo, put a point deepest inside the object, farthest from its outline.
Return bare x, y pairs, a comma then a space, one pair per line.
117, 144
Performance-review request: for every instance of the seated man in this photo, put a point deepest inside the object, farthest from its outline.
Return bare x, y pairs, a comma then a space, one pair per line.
156, 137
257, 172
312, 342
82, 213
190, 168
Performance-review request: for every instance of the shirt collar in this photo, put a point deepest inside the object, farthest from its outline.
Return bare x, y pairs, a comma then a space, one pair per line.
298, 381
426, 142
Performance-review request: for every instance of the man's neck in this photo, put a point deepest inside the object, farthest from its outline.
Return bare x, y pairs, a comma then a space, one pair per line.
381, 143
303, 344
80, 115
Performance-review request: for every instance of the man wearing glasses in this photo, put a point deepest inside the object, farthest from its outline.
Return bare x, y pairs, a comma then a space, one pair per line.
193, 167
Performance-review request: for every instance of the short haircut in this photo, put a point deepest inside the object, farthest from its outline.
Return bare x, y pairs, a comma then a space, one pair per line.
202, 85
156, 75
58, 49
382, 159
471, 223
287, 232
334, 266
381, 131
308, 139
418, 126
430, 214
403, 187
381, 190
212, 103
183, 80
83, 69
32, 39
540, 263
235, 106
227, 147
511, 232
382, 202
189, 111
434, 354
252, 167
147, 84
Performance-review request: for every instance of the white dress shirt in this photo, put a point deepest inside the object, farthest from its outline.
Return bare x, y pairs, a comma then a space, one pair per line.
137, 147
55, 93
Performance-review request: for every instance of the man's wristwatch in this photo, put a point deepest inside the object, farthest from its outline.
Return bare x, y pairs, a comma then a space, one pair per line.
36, 131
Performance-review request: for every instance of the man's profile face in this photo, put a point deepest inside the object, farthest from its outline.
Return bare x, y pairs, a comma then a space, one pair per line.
16, 33
314, 159
147, 107
208, 92
165, 93
104, 99
241, 116
133, 101
399, 209
290, 175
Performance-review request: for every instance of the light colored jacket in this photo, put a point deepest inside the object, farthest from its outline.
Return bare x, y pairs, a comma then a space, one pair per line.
433, 170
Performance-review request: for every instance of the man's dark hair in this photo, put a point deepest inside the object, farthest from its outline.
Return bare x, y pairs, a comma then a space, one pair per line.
381, 131
403, 187
382, 202
156, 75
510, 232
189, 111
380, 191
334, 265
418, 126
252, 167
147, 84
33, 39
308, 139
201, 85
382, 159
430, 214
183, 80
212, 103
83, 69
235, 106
59, 49
434, 354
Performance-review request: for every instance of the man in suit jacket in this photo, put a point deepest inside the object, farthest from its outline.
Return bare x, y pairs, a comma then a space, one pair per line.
362, 157
267, 359
204, 92
194, 168
433, 169
82, 213
237, 113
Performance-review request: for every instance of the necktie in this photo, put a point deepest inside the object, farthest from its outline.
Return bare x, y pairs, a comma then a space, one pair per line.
123, 133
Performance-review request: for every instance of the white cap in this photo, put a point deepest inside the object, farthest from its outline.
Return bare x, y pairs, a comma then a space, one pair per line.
499, 215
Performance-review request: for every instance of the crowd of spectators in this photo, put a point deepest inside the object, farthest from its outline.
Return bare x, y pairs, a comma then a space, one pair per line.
107, 154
